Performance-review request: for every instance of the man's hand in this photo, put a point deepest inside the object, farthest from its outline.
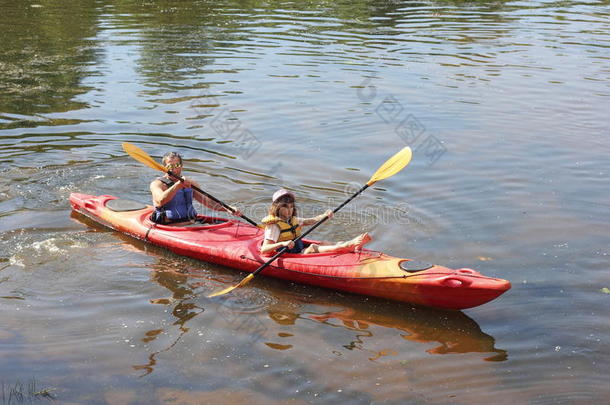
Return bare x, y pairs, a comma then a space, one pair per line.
186, 182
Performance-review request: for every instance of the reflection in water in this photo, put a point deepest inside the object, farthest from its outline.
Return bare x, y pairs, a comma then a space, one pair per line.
45, 60
455, 331
182, 310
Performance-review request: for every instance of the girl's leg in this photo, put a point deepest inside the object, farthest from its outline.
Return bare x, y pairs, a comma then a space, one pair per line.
349, 246
313, 248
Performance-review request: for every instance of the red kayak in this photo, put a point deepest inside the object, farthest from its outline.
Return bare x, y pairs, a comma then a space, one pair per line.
235, 244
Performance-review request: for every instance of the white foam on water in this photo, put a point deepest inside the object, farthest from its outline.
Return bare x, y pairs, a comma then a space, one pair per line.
15, 261
49, 245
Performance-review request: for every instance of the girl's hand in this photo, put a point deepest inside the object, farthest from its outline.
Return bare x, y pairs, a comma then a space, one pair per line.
328, 213
289, 244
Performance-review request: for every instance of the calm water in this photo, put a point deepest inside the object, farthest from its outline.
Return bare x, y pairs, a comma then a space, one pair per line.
505, 104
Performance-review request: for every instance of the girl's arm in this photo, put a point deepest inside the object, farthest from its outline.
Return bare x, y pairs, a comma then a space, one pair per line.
272, 234
313, 220
270, 246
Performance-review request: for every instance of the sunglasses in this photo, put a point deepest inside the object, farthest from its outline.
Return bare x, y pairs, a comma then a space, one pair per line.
173, 166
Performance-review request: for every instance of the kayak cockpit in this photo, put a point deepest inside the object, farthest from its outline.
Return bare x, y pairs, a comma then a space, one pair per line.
124, 204
202, 221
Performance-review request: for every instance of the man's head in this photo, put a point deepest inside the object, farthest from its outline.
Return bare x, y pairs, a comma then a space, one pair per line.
172, 161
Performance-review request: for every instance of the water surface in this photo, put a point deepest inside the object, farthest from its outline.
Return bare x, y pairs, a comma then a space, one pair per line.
505, 105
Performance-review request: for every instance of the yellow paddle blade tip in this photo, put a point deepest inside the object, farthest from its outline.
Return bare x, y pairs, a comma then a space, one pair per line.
127, 147
393, 165
141, 156
243, 282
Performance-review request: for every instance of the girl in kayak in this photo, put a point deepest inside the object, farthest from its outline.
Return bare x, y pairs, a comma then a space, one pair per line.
282, 226
173, 199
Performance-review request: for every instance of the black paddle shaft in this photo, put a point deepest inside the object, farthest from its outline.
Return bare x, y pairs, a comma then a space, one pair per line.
211, 197
320, 222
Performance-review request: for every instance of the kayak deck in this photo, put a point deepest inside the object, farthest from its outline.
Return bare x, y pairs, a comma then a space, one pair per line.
232, 243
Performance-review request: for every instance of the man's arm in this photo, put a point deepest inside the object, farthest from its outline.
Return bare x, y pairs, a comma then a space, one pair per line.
161, 194
205, 200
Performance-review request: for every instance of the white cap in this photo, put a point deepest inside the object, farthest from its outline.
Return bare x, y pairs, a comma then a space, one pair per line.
280, 193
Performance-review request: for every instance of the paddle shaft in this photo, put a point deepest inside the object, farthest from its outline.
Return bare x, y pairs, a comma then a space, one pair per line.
317, 224
211, 197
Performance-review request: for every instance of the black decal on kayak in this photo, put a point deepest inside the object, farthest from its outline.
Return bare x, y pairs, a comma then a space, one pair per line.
412, 266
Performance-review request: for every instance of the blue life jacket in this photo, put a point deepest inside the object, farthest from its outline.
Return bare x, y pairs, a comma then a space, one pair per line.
178, 209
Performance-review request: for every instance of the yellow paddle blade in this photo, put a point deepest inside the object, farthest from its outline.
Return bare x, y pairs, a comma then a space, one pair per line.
243, 282
142, 157
392, 166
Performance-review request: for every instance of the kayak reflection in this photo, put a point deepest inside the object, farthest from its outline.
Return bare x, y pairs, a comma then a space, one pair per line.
453, 330
182, 309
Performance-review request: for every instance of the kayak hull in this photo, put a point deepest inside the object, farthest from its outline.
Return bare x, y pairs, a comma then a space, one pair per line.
235, 244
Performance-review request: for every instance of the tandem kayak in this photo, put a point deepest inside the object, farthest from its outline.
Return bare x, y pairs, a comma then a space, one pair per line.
235, 244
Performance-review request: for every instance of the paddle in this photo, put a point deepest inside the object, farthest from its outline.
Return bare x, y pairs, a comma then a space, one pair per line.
392, 166
143, 157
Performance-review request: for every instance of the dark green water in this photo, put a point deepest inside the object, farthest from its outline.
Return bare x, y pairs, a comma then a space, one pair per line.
505, 104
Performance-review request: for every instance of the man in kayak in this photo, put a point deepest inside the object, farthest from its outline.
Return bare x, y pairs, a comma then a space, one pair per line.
282, 226
173, 199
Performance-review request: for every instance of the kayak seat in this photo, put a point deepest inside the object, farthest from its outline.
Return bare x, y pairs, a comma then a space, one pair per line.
120, 205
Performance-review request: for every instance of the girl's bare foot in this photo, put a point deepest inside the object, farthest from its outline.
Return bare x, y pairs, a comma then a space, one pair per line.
362, 240
356, 243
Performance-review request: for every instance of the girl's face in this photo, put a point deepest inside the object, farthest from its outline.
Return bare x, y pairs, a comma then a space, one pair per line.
286, 210
285, 207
